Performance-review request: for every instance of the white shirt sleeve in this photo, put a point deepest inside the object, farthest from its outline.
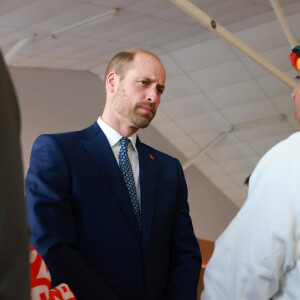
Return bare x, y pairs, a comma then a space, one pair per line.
257, 255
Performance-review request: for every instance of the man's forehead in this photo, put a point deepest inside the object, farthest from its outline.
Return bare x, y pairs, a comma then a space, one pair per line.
148, 67
145, 59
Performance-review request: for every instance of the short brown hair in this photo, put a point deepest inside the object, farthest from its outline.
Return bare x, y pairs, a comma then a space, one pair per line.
121, 63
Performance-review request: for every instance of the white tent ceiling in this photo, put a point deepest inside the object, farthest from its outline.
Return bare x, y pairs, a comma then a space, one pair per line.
210, 85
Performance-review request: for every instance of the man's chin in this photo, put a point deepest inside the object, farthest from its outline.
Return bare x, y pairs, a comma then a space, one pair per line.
143, 122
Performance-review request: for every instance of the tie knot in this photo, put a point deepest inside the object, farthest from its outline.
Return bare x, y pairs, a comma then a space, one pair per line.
124, 142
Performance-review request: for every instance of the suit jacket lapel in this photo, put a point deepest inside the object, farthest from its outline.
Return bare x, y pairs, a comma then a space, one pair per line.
148, 183
97, 146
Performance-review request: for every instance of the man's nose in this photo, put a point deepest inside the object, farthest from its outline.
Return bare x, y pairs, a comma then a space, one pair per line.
153, 95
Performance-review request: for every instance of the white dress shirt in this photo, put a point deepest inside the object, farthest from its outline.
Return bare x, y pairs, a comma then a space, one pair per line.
258, 255
113, 138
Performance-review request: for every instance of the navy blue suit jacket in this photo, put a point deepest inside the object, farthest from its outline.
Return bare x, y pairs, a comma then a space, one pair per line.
83, 224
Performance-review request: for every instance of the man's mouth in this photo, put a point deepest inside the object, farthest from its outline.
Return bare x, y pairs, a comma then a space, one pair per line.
147, 109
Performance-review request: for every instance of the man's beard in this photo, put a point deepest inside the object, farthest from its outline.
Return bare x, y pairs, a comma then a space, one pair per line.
142, 120
130, 112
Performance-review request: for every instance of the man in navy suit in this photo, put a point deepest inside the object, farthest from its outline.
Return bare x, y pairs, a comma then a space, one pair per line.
81, 212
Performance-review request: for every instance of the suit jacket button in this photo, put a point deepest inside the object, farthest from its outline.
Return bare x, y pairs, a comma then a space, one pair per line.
147, 264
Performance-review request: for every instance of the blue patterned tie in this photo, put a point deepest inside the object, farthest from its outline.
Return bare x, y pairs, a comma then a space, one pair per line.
127, 173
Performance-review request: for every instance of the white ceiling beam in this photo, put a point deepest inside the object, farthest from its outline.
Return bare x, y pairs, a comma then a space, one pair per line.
258, 123
9, 55
284, 24
238, 126
212, 25
189, 162
90, 21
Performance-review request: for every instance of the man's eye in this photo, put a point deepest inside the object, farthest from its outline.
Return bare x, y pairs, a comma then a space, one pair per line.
143, 82
160, 91
297, 77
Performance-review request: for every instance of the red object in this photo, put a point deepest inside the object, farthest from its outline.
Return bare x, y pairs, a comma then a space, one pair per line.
41, 281
294, 58
151, 156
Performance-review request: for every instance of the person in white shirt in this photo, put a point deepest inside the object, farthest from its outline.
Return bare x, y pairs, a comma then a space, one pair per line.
258, 255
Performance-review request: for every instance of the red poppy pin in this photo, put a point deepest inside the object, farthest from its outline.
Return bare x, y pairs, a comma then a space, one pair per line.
152, 157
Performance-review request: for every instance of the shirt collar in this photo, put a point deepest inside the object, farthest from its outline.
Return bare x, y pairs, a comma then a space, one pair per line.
113, 136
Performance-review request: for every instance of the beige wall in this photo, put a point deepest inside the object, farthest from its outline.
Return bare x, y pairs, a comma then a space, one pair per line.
57, 101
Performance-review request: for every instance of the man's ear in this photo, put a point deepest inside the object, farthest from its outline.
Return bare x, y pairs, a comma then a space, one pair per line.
112, 81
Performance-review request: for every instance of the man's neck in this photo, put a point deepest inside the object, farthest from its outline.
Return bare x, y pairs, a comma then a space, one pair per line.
121, 127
